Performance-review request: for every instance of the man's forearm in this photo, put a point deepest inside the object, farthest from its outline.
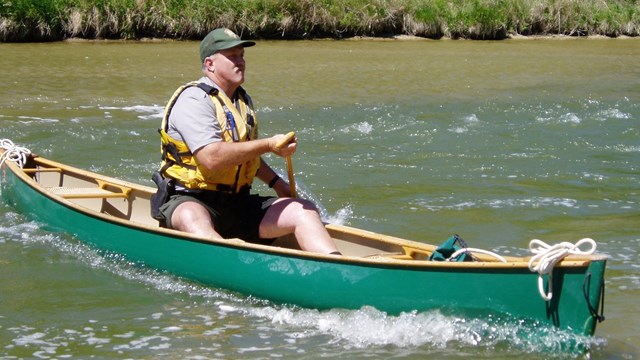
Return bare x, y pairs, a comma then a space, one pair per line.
223, 155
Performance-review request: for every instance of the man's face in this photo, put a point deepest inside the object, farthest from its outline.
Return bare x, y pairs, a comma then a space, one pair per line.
229, 65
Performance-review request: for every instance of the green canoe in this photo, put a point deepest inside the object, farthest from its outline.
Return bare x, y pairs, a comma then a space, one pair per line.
391, 274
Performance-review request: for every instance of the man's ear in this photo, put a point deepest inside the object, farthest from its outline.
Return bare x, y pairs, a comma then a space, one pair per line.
208, 63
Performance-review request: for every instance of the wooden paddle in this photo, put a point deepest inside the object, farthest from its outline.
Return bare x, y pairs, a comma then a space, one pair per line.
292, 182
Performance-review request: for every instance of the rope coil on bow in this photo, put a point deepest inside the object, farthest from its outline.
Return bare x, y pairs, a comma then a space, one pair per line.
547, 256
17, 154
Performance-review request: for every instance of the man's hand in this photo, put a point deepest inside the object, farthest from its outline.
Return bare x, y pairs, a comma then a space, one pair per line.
284, 145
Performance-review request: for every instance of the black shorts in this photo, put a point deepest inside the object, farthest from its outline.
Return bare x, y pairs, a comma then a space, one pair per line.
233, 215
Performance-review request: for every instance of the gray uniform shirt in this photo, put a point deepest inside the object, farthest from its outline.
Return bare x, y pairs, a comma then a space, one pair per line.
193, 118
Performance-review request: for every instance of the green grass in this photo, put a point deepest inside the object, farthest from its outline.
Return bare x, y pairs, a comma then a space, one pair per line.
50, 20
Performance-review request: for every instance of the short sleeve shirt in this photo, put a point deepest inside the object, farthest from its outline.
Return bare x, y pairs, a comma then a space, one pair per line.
193, 118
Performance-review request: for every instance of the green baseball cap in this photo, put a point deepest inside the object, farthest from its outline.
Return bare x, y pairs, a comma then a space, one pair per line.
220, 39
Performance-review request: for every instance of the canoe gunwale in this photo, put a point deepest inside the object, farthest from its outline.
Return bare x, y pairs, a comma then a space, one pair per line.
26, 175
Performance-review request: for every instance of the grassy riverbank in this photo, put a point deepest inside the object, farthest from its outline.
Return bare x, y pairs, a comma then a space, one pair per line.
50, 20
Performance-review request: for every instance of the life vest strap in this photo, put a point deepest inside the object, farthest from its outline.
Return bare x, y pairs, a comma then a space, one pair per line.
171, 149
208, 89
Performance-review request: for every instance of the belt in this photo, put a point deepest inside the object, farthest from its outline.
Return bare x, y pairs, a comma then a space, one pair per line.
215, 196
220, 188
231, 190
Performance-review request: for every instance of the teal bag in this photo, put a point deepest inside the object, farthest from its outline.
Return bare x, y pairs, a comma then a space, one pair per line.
453, 244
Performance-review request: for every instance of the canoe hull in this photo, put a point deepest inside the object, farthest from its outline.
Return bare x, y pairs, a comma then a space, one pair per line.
321, 282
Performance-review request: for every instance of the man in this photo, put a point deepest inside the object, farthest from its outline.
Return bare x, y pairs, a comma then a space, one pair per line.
211, 150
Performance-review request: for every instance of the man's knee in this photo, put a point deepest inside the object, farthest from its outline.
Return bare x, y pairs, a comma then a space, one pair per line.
307, 205
307, 211
189, 214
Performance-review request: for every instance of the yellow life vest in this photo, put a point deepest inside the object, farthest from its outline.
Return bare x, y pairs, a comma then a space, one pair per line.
236, 125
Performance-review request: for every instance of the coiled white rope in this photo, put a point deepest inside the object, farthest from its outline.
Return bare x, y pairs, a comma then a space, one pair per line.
474, 250
17, 154
547, 256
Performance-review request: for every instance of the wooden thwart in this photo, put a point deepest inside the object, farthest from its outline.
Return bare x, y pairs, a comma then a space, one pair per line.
68, 192
91, 192
37, 170
85, 193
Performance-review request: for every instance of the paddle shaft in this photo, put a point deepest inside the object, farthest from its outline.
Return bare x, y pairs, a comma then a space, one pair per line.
292, 181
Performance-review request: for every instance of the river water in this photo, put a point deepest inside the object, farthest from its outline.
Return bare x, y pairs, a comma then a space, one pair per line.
500, 142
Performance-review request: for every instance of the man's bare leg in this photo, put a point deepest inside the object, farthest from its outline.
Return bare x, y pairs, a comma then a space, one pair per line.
300, 217
194, 218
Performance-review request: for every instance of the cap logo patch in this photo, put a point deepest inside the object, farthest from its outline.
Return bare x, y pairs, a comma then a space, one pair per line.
231, 34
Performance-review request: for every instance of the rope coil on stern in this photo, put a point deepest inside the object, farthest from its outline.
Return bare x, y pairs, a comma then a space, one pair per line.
17, 154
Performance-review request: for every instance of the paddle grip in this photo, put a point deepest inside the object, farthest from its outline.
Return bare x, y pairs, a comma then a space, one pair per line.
287, 139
